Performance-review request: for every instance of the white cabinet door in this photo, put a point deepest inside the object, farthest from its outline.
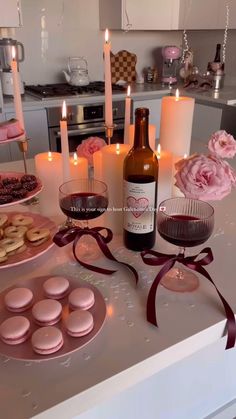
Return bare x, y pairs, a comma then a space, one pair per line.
148, 14
154, 106
206, 120
10, 14
200, 14
37, 132
222, 14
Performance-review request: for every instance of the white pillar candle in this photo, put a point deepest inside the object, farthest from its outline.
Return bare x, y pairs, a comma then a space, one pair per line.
16, 90
65, 145
176, 123
127, 116
176, 192
151, 135
109, 166
108, 86
97, 165
165, 175
49, 170
78, 167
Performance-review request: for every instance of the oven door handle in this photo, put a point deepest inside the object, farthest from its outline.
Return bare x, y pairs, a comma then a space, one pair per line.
74, 132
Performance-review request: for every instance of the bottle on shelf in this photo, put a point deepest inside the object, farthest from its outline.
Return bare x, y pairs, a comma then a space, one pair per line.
140, 188
217, 58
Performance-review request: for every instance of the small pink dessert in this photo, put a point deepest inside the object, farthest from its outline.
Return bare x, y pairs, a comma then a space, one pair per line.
13, 128
56, 287
3, 133
18, 300
47, 340
81, 298
47, 312
15, 330
79, 323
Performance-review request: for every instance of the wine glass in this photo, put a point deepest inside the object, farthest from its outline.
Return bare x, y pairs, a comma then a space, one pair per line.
84, 200
186, 223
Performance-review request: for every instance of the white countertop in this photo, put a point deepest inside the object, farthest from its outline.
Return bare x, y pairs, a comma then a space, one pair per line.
146, 91
128, 349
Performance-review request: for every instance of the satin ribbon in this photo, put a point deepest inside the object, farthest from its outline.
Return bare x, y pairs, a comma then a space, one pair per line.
73, 234
150, 257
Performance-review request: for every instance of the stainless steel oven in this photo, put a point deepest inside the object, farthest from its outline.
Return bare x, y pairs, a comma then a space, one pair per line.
84, 121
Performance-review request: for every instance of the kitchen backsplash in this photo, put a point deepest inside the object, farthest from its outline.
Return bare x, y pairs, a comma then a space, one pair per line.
57, 29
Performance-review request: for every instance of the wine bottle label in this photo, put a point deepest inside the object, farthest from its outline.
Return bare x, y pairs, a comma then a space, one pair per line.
139, 207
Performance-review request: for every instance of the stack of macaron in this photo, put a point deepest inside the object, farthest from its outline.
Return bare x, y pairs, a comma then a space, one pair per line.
10, 129
17, 232
48, 314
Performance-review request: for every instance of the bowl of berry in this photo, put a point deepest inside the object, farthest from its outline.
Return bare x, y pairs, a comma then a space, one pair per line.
18, 187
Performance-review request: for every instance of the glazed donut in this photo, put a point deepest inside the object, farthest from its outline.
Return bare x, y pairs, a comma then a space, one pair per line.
17, 251
2, 252
36, 235
1, 233
3, 220
11, 244
15, 231
21, 220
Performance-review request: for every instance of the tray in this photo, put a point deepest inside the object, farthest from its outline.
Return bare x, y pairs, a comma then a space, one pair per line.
29, 195
31, 252
24, 350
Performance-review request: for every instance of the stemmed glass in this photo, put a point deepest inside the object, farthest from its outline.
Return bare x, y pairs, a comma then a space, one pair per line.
84, 200
185, 223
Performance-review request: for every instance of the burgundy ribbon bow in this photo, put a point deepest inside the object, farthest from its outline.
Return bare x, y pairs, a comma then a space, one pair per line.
73, 234
150, 257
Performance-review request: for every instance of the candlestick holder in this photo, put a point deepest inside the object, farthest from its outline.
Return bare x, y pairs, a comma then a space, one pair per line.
109, 130
23, 146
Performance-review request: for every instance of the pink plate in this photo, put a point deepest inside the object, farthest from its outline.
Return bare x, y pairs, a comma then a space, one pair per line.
29, 195
31, 252
10, 140
24, 350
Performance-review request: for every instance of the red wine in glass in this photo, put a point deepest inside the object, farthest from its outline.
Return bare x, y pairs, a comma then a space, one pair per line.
185, 223
83, 205
84, 200
184, 230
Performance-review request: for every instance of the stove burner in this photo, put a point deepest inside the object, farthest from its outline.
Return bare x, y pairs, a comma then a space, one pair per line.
64, 89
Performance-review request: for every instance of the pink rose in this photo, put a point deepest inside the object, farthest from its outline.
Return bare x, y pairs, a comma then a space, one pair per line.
89, 146
222, 145
205, 178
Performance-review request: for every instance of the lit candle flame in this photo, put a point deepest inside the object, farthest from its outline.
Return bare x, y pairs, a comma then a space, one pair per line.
49, 156
185, 156
106, 36
13, 53
177, 94
128, 91
159, 151
117, 148
75, 159
64, 112
110, 310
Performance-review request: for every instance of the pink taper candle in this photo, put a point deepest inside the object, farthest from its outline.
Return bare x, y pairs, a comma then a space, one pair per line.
16, 90
65, 145
127, 116
108, 87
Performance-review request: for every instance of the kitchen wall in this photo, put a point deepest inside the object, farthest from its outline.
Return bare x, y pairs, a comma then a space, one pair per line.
56, 29
204, 43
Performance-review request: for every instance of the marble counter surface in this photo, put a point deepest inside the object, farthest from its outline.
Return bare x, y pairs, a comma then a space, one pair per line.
128, 349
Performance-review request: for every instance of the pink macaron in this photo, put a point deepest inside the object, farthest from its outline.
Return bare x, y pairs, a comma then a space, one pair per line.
47, 312
79, 323
15, 330
56, 287
81, 299
47, 340
18, 300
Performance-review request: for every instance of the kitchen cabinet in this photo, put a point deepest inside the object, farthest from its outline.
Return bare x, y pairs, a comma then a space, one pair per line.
166, 14
37, 132
133, 15
10, 16
154, 106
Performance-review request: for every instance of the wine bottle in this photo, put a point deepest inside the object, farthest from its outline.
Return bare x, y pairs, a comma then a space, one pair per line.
217, 58
140, 188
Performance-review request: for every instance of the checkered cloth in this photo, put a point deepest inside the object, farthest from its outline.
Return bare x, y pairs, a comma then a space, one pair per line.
123, 66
